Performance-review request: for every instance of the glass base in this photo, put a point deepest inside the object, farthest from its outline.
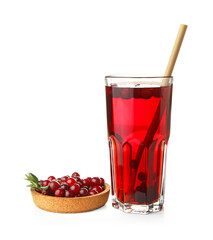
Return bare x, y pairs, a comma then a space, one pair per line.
136, 208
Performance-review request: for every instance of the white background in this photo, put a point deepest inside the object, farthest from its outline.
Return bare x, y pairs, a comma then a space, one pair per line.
53, 59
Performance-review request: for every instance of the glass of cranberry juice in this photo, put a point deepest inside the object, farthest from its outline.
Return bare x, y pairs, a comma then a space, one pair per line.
138, 118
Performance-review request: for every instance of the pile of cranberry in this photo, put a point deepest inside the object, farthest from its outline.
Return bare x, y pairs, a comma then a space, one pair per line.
72, 186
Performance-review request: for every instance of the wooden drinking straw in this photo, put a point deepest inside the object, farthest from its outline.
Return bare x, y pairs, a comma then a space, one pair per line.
161, 107
174, 54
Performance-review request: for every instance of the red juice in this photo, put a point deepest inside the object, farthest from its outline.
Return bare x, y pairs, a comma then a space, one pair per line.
138, 130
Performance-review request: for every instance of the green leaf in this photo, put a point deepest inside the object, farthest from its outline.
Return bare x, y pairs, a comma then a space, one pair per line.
35, 184
46, 187
33, 180
33, 177
27, 177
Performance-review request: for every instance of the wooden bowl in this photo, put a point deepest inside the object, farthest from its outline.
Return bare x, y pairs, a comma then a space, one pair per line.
70, 205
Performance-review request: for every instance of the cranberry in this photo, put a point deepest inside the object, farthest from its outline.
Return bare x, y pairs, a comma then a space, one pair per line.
84, 192
45, 183
63, 183
142, 187
59, 179
45, 191
75, 188
50, 178
68, 193
59, 192
65, 186
102, 181
97, 189
71, 181
37, 190
134, 164
89, 179
80, 183
78, 195
126, 93
40, 182
86, 182
141, 176
53, 186
86, 187
78, 179
92, 192
137, 92
64, 179
75, 174
157, 92
95, 181
146, 93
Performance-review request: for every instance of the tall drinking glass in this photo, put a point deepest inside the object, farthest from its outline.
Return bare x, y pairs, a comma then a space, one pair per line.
138, 117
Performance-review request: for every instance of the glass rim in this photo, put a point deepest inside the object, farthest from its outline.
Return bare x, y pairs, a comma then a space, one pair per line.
138, 81
137, 77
